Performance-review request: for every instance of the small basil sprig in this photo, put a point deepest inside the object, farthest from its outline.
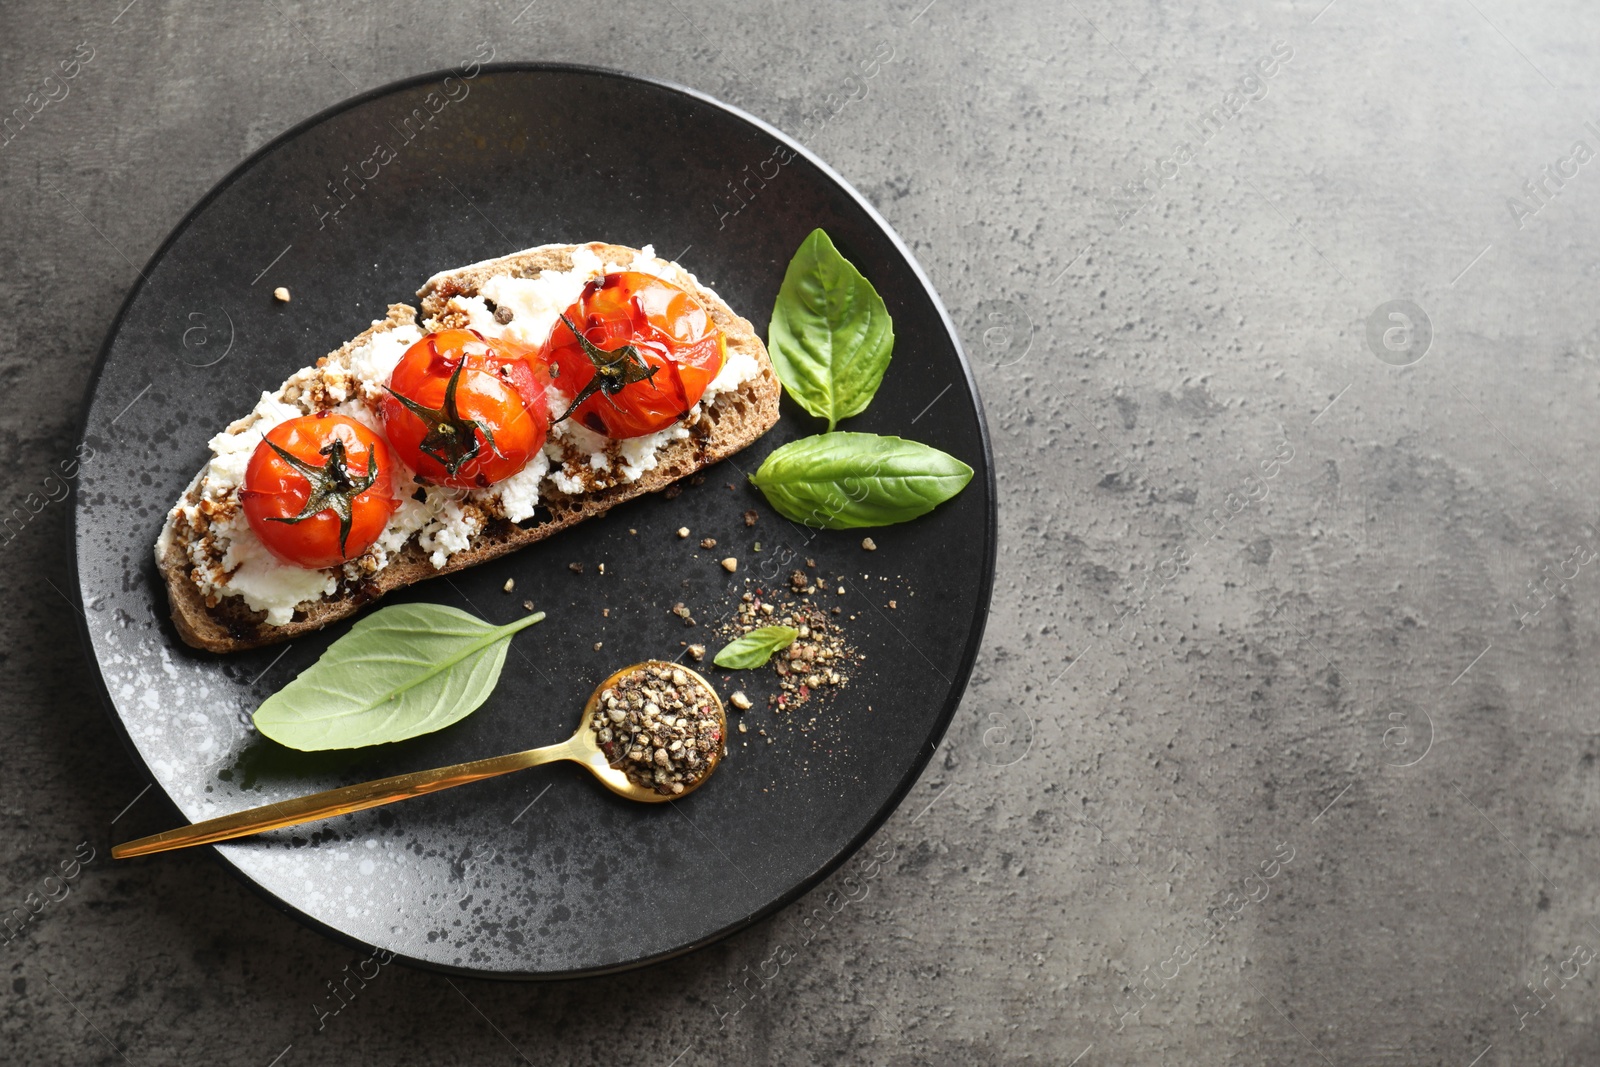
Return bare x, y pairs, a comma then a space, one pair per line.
842, 481
756, 647
831, 335
404, 670
830, 340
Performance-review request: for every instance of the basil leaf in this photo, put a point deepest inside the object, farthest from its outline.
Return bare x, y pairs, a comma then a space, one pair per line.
830, 336
404, 670
756, 647
846, 480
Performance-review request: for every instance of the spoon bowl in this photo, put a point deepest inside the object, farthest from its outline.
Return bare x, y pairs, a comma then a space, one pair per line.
583, 747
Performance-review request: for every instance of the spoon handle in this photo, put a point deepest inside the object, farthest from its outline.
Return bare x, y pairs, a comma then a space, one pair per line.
339, 801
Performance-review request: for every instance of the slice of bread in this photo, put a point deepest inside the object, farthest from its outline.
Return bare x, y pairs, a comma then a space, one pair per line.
727, 424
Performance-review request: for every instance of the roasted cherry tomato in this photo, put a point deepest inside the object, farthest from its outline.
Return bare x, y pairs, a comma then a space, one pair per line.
319, 490
465, 411
647, 352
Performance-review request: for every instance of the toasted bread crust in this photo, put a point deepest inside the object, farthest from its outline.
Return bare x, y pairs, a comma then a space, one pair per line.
732, 422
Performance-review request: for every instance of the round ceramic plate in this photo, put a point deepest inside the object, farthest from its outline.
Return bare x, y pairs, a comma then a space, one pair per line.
543, 873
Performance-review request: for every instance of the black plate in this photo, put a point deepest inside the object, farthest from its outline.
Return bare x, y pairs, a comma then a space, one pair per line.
475, 880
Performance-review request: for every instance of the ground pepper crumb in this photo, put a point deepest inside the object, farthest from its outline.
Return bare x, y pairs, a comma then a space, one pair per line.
818, 661
660, 726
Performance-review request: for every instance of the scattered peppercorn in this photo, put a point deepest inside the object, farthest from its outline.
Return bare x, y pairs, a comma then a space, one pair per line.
818, 659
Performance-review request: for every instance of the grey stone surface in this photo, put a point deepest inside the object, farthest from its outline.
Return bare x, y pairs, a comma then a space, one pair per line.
1267, 605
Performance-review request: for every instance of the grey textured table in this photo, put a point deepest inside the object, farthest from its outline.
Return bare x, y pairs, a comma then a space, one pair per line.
1281, 748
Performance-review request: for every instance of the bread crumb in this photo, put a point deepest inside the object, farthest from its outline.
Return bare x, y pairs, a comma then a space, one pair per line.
511, 583
281, 294
869, 544
730, 565
739, 700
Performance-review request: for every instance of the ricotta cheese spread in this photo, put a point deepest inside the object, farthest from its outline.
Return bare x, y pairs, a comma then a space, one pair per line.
228, 559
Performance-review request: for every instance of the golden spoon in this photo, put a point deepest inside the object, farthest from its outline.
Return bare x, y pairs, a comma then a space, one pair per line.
582, 747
